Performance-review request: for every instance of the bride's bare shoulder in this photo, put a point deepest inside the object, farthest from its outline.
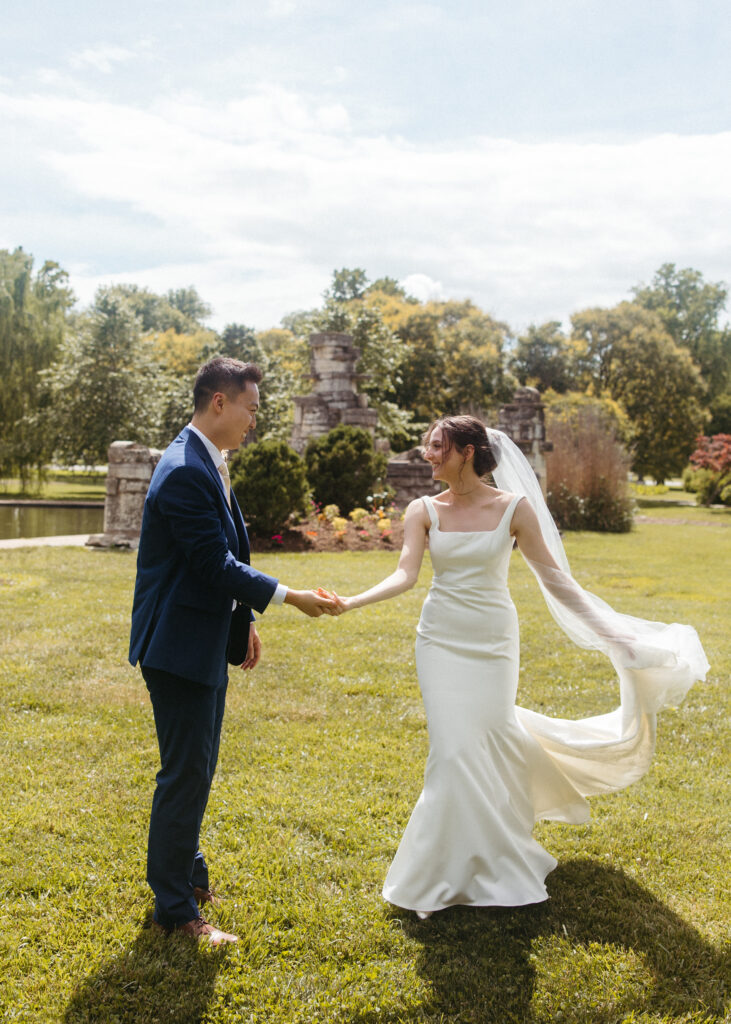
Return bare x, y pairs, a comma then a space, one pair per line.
416, 509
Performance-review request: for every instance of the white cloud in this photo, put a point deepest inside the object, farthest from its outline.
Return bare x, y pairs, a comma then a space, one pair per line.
270, 192
423, 287
102, 58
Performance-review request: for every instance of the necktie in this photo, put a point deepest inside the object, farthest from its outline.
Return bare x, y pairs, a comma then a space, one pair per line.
223, 470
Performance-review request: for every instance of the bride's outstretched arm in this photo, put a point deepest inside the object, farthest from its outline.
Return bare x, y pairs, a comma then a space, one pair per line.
416, 527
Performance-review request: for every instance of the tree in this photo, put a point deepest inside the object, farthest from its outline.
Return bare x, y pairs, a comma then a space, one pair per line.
595, 333
33, 314
542, 358
453, 359
347, 285
661, 390
188, 302
101, 388
690, 308
182, 311
474, 345
626, 353
387, 286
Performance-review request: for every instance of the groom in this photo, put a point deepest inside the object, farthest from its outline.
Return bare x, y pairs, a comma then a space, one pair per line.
192, 569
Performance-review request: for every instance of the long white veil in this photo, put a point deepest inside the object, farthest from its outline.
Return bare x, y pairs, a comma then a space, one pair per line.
656, 663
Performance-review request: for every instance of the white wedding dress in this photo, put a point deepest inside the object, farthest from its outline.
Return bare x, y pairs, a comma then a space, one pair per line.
493, 768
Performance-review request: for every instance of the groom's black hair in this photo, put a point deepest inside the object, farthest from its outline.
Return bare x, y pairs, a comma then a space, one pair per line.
222, 374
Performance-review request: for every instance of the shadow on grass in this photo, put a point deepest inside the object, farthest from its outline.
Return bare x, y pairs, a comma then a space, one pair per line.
156, 979
535, 964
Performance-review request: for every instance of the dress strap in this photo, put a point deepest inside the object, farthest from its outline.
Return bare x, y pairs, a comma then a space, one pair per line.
510, 510
431, 510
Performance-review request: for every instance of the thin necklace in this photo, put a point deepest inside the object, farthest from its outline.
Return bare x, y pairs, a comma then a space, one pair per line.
462, 494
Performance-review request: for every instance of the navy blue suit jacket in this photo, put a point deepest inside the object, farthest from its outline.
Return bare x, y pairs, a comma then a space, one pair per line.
193, 560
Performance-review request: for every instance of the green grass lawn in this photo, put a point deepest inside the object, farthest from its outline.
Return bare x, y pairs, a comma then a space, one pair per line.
322, 759
59, 486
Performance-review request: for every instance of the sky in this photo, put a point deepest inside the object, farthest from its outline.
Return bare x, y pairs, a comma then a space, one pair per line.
536, 156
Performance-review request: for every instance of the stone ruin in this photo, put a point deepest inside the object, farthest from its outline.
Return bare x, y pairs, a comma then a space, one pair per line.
524, 421
130, 470
335, 398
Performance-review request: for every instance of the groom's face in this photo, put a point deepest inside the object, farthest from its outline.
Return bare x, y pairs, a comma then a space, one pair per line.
238, 415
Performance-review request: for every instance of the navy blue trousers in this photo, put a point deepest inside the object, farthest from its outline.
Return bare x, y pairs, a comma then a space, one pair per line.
188, 719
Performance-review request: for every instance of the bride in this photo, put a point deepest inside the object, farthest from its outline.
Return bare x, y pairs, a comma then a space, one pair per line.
493, 768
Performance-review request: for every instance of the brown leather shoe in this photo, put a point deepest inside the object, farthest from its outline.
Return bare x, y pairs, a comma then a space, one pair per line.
205, 896
200, 930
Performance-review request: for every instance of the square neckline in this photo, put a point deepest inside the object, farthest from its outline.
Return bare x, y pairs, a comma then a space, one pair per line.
466, 533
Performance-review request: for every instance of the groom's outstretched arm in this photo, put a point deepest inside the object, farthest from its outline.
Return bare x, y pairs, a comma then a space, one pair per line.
313, 603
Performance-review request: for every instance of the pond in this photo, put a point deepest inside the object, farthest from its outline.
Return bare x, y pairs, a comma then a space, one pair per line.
24, 520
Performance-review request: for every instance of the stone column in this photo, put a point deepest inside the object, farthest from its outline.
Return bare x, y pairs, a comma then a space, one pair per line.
523, 420
130, 470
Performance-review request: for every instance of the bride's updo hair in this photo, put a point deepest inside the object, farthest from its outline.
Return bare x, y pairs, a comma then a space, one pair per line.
461, 431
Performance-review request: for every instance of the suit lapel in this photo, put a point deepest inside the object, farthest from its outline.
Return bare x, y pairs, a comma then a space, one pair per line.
229, 520
243, 536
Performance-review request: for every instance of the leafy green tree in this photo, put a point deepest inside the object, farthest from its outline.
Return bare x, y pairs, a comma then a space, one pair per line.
188, 302
661, 390
347, 285
690, 310
474, 345
453, 360
33, 314
720, 413
102, 387
626, 353
423, 370
387, 286
542, 358
181, 310
343, 467
595, 333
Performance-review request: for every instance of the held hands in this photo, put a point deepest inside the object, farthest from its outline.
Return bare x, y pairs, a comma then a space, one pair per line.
314, 602
344, 603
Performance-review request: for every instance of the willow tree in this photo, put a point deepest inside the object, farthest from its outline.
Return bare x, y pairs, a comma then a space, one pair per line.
33, 310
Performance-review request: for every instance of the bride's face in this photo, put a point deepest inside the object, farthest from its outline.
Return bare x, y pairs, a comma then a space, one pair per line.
445, 461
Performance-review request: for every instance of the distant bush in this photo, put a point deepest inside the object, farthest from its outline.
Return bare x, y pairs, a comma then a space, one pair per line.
270, 483
587, 470
709, 474
343, 467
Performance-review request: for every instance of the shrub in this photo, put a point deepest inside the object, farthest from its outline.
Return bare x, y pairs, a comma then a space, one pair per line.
343, 466
270, 482
588, 487
709, 474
